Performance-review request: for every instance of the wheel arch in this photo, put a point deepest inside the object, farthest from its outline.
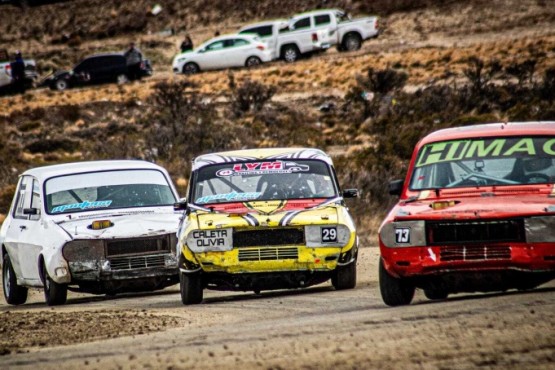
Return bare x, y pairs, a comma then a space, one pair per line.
282, 48
353, 32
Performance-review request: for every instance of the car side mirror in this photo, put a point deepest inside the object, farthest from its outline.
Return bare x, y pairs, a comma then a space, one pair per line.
396, 187
30, 211
350, 193
181, 205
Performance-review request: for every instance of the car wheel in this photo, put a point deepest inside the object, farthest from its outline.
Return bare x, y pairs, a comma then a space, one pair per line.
14, 294
190, 69
345, 277
394, 291
54, 294
61, 85
191, 288
436, 293
291, 53
352, 42
122, 79
253, 62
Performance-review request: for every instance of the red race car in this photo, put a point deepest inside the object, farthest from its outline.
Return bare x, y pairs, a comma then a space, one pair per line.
476, 213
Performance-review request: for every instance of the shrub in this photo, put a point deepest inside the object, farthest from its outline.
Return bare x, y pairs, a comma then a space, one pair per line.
250, 95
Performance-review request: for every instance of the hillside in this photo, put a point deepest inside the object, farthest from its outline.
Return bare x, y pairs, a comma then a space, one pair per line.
434, 43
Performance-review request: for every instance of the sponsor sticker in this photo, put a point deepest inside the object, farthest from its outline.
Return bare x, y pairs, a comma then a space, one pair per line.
210, 240
230, 197
83, 205
261, 168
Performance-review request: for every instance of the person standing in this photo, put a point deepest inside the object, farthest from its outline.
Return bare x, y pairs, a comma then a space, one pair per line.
18, 72
187, 44
133, 58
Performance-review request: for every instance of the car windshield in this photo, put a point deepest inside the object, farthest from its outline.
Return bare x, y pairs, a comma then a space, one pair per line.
107, 190
485, 162
265, 180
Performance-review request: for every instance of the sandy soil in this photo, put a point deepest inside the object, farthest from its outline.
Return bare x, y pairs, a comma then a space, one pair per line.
304, 329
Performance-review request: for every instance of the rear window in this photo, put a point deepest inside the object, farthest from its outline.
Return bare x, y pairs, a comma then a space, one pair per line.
261, 31
302, 23
322, 19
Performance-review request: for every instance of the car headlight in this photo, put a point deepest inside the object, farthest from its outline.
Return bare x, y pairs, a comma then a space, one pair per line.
180, 60
540, 229
327, 235
213, 240
404, 234
83, 250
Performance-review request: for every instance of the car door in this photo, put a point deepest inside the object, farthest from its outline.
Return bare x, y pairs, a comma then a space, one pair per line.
212, 56
323, 29
238, 51
25, 233
81, 73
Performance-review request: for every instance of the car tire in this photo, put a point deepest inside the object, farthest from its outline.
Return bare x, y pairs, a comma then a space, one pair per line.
290, 53
54, 294
122, 79
253, 62
394, 291
61, 85
436, 293
191, 288
14, 294
190, 68
351, 42
345, 277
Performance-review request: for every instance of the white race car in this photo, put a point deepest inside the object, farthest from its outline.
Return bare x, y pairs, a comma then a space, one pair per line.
223, 52
101, 227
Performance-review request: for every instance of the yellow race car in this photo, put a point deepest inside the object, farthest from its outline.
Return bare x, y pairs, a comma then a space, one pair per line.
265, 219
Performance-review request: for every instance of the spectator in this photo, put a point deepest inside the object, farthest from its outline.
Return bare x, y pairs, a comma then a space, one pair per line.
133, 58
18, 72
187, 44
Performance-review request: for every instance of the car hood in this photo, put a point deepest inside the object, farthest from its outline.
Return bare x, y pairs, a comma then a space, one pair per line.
124, 225
269, 214
484, 206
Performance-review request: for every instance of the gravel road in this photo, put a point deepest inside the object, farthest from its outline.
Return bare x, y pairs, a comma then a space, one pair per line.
313, 328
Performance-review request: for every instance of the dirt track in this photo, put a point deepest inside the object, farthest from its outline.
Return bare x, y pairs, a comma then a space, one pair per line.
312, 328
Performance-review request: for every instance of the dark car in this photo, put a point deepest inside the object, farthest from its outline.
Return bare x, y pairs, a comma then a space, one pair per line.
96, 69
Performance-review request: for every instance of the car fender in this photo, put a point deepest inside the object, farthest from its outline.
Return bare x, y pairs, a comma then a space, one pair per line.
52, 256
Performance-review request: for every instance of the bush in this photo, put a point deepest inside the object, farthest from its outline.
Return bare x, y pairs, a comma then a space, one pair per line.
250, 95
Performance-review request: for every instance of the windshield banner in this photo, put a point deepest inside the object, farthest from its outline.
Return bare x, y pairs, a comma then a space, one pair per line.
261, 168
517, 147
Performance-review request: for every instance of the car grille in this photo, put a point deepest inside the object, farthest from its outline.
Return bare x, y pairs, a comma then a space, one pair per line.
137, 246
137, 262
268, 254
468, 232
472, 253
268, 237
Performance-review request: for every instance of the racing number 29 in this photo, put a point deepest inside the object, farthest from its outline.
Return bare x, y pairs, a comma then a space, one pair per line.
329, 235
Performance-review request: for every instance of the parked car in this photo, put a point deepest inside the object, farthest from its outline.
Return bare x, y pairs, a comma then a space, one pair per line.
101, 227
476, 213
265, 219
313, 32
95, 69
303, 34
6, 73
223, 52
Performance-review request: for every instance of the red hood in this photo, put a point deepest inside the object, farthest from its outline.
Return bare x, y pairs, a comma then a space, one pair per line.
486, 203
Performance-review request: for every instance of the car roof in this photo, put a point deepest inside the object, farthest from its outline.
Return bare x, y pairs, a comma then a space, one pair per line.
264, 23
46, 172
491, 129
104, 55
313, 12
260, 154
